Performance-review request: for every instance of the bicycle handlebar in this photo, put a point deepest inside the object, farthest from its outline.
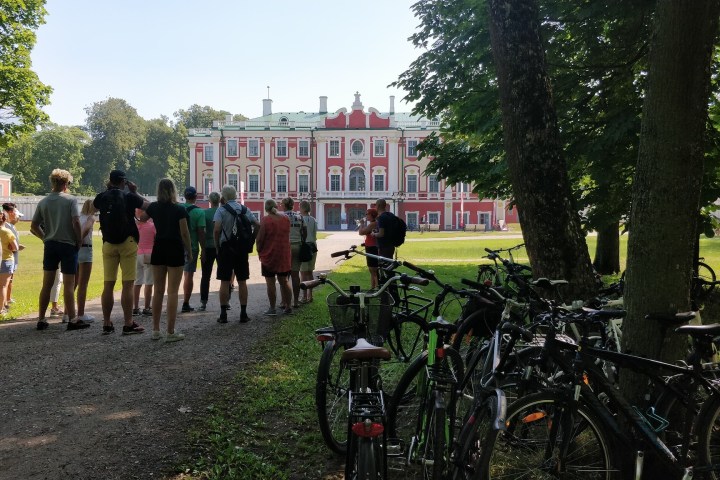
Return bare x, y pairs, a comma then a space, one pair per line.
344, 253
310, 284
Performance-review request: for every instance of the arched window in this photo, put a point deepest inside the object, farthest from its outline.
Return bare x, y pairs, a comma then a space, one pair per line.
357, 180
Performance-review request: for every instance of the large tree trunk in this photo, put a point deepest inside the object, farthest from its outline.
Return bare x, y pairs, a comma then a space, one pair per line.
666, 188
550, 222
607, 249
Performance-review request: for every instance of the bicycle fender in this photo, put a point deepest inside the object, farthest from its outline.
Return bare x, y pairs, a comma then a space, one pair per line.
501, 413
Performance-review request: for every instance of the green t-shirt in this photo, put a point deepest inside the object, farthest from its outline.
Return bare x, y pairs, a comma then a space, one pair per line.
197, 220
209, 227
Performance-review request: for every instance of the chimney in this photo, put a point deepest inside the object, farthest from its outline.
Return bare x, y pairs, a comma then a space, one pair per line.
323, 105
392, 104
267, 107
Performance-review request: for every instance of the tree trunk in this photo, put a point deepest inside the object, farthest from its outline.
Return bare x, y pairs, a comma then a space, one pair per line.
607, 250
550, 222
666, 188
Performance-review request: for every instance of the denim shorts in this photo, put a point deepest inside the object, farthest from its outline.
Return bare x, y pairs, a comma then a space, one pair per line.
7, 266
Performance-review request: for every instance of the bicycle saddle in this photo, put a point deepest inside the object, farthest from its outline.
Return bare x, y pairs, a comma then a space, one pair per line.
365, 351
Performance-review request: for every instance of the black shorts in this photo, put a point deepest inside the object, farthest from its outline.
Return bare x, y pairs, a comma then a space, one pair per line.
170, 253
371, 262
267, 273
227, 263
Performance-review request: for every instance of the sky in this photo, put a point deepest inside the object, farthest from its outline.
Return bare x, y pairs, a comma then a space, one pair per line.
165, 55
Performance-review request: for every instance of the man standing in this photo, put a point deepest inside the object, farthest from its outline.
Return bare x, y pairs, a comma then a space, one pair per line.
57, 223
209, 254
13, 215
196, 225
385, 223
296, 226
120, 235
229, 262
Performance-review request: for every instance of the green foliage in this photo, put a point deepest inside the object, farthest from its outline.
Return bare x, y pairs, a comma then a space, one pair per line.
22, 94
117, 133
162, 155
202, 117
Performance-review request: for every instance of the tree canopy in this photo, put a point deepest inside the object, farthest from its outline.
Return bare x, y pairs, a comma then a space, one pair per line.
22, 94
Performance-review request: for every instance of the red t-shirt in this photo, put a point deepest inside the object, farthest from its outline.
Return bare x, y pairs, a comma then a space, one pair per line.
274, 243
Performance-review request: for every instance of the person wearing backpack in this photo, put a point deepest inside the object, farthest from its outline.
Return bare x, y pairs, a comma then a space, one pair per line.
234, 235
209, 253
120, 237
389, 230
196, 224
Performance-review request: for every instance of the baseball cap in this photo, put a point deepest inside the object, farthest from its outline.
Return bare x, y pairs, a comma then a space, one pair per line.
190, 192
117, 176
19, 213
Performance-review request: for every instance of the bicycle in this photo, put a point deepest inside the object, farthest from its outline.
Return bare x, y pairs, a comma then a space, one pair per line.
504, 272
333, 376
570, 429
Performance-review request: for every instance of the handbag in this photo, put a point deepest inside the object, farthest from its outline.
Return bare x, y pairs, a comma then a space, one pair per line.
306, 252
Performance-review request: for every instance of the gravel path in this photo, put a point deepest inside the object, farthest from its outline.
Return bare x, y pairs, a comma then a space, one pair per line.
81, 405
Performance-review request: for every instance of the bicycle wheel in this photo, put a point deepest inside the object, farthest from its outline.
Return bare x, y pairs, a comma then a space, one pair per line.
473, 433
434, 455
708, 432
538, 428
701, 291
486, 273
331, 397
406, 341
365, 461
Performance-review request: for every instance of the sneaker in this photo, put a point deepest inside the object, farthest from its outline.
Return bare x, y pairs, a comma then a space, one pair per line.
78, 325
288, 311
132, 329
270, 311
55, 312
186, 308
202, 307
65, 319
244, 319
108, 329
156, 335
136, 312
174, 337
3, 311
86, 318
42, 325
147, 312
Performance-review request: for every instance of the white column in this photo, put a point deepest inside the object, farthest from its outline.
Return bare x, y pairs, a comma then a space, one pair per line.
393, 184
321, 174
343, 217
320, 215
267, 168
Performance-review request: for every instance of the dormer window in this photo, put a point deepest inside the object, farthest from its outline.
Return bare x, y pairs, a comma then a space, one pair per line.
283, 120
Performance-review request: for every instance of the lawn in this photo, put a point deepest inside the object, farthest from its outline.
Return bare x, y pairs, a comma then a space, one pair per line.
272, 432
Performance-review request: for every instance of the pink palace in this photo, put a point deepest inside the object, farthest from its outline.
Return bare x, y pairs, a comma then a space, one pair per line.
341, 162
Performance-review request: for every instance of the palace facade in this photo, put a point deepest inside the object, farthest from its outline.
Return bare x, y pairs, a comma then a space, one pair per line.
341, 162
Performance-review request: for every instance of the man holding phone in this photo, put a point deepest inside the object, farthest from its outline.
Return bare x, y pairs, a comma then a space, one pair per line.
120, 235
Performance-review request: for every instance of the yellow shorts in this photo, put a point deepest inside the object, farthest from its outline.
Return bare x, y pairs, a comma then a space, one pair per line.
122, 254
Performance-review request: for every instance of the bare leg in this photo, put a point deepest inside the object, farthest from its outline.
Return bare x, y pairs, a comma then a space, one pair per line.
4, 282
83, 278
69, 297
224, 293
187, 286
9, 293
107, 299
159, 275
271, 291
136, 296
148, 295
44, 298
285, 290
126, 300
175, 274
295, 275
242, 292
304, 277
373, 277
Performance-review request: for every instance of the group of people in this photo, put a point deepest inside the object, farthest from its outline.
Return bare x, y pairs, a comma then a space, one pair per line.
156, 246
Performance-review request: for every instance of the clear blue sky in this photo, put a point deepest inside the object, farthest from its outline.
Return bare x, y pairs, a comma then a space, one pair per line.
164, 55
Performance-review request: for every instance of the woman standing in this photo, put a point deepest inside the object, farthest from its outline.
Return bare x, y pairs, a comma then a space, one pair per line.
296, 225
273, 245
170, 251
143, 268
85, 258
370, 225
306, 268
7, 262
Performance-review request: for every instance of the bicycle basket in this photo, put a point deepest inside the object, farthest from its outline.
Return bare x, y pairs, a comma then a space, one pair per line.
350, 324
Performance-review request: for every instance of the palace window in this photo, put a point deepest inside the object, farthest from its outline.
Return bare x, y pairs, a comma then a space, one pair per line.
233, 180
281, 148
412, 183
208, 153
434, 218
379, 183
281, 180
334, 146
433, 184
303, 183
303, 148
412, 148
357, 147
253, 147
379, 147
254, 183
334, 183
357, 180
232, 147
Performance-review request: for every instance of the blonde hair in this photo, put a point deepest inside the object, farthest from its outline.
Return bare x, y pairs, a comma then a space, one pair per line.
88, 208
271, 206
166, 192
228, 193
305, 206
60, 178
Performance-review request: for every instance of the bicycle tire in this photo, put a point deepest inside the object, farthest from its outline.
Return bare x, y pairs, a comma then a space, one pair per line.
521, 448
475, 428
487, 273
707, 428
331, 398
411, 332
366, 467
437, 448
702, 292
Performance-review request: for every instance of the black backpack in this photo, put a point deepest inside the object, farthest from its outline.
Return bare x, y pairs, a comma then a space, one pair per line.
396, 230
114, 222
241, 238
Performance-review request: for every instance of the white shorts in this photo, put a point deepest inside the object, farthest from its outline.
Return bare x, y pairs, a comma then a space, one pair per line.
143, 271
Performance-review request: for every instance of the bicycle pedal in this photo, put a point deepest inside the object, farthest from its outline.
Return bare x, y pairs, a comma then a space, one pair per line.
395, 448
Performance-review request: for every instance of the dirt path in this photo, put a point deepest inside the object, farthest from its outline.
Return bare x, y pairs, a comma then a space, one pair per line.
81, 405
